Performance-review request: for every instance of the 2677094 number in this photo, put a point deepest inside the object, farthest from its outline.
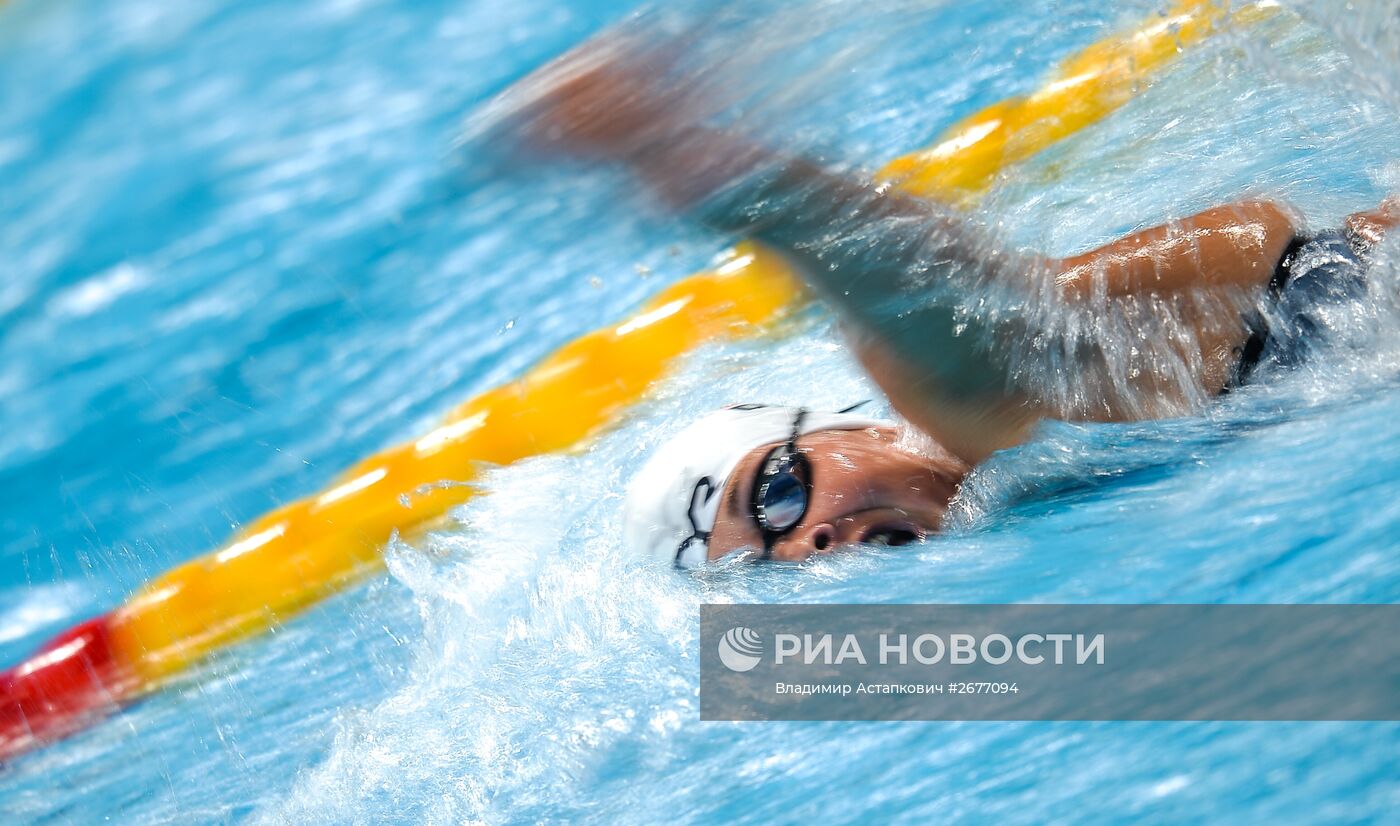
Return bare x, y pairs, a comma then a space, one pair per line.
983, 688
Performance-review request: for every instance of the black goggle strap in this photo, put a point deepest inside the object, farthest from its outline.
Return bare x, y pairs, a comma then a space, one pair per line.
796, 429
696, 534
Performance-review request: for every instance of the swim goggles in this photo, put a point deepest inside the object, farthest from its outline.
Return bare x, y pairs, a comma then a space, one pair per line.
783, 489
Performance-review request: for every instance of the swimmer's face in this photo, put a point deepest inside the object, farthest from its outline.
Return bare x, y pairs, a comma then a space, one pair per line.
864, 489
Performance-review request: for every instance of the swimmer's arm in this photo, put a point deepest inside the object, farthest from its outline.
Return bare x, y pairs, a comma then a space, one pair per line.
871, 252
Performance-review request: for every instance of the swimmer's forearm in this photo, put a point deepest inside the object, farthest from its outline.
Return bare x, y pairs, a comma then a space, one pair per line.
694, 165
857, 238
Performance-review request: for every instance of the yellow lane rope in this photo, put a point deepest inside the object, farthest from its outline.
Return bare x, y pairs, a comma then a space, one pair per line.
304, 551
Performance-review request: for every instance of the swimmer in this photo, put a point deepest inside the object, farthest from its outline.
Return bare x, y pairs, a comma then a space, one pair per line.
784, 483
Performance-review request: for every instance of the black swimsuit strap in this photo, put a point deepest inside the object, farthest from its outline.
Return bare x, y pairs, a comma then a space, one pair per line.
1283, 270
1253, 350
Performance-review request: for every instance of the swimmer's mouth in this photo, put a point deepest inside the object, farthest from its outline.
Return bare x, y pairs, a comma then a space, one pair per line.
892, 535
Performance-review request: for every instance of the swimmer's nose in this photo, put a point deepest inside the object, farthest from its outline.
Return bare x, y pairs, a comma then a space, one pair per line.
817, 539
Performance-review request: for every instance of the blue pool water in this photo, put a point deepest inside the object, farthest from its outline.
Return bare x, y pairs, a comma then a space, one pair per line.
243, 249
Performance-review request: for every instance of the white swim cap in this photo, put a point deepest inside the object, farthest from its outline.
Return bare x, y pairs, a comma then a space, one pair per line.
673, 500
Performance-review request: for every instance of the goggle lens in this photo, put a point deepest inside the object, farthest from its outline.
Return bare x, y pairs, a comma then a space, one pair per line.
783, 501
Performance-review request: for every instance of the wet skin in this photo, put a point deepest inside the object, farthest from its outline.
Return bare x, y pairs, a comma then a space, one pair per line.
866, 488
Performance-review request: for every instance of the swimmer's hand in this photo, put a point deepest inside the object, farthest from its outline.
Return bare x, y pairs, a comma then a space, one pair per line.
616, 101
1371, 227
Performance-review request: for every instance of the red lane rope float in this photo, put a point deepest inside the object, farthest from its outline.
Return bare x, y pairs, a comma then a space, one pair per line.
309, 549
72, 678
